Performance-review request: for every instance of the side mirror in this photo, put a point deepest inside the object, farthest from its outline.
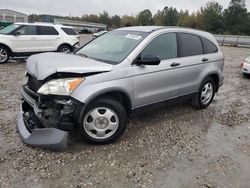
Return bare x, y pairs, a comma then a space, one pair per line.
17, 33
149, 60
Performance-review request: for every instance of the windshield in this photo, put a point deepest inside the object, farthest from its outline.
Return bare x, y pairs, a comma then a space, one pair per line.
112, 47
9, 29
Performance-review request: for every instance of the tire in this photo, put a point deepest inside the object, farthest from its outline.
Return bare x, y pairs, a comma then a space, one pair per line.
205, 95
246, 75
103, 121
64, 49
4, 55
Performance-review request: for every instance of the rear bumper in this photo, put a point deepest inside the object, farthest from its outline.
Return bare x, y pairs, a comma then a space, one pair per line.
221, 81
76, 46
50, 138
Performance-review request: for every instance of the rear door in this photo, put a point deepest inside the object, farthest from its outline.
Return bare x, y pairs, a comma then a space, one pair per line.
193, 61
48, 38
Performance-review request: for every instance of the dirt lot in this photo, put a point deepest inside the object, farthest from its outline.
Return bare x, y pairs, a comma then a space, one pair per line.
177, 146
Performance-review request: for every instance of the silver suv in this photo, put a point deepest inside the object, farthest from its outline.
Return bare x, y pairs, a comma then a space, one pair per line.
115, 76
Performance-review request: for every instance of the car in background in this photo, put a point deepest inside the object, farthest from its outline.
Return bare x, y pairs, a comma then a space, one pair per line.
24, 39
122, 73
4, 24
100, 33
245, 66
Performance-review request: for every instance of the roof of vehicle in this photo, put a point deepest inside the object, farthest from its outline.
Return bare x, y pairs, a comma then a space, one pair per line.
42, 24
142, 28
150, 29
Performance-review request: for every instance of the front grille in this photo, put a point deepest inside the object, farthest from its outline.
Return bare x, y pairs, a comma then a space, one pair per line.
28, 97
33, 83
31, 94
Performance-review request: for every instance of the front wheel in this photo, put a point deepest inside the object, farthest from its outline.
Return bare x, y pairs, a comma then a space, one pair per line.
205, 95
4, 55
103, 121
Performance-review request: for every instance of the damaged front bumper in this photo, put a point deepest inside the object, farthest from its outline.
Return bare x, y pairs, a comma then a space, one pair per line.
35, 130
50, 138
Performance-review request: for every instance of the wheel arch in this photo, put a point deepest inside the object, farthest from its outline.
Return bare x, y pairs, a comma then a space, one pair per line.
7, 47
116, 94
215, 77
65, 44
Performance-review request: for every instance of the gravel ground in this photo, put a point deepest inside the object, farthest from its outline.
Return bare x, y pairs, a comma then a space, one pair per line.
177, 146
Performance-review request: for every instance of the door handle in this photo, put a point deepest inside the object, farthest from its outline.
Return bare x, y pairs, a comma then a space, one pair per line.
33, 38
174, 64
205, 59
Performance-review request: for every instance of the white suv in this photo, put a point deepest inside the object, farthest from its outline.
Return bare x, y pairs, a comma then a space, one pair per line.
24, 39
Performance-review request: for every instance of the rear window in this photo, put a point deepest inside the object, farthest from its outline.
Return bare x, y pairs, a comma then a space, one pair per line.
69, 31
46, 30
208, 46
189, 45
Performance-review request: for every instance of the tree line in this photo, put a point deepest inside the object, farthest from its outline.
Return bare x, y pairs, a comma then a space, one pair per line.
235, 19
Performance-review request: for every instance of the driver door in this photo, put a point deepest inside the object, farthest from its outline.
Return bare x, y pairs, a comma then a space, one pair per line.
25, 39
156, 83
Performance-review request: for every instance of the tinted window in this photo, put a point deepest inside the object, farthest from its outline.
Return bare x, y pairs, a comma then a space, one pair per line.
69, 31
164, 46
46, 30
208, 46
189, 45
27, 30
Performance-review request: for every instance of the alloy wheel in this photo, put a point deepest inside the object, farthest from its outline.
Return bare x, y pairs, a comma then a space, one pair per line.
65, 50
3, 55
101, 123
207, 93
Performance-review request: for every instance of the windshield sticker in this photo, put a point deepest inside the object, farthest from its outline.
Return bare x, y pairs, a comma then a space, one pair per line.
133, 36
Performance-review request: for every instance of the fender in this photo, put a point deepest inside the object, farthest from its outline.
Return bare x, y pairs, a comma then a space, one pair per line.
6, 46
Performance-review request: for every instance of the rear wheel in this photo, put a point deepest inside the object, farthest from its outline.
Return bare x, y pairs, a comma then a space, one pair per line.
103, 121
65, 49
205, 95
4, 55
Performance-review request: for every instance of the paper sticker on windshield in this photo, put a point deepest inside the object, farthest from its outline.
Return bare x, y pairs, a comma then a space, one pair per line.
133, 36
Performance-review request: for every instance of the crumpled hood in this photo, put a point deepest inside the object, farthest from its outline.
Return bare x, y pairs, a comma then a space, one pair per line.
43, 65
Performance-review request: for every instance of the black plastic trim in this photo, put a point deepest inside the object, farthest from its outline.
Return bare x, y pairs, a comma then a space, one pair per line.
161, 104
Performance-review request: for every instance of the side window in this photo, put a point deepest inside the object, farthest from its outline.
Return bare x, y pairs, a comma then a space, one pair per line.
46, 30
27, 30
69, 31
208, 46
164, 46
189, 45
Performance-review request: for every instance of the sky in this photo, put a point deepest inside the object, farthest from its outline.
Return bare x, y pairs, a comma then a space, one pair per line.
119, 7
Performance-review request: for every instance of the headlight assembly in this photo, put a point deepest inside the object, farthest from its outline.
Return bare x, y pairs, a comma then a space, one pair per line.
63, 86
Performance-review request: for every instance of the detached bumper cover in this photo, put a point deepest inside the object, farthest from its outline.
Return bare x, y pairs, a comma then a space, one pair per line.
50, 138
